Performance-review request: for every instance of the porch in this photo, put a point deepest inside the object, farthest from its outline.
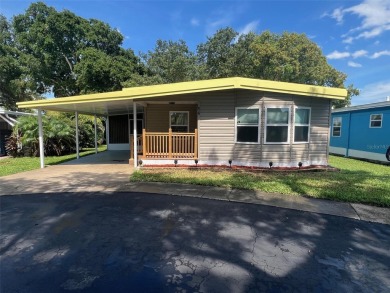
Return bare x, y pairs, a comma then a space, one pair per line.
166, 145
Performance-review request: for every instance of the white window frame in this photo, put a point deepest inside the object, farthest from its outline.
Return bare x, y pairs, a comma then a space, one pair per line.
341, 125
288, 124
300, 124
371, 120
188, 120
258, 125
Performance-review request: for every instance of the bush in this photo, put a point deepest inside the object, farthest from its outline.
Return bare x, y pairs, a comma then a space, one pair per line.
58, 134
87, 131
12, 146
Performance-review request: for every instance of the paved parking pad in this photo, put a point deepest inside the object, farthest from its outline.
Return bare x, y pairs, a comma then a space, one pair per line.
139, 242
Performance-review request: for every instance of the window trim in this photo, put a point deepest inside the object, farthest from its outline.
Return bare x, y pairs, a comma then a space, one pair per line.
341, 125
371, 120
188, 119
258, 125
288, 124
300, 124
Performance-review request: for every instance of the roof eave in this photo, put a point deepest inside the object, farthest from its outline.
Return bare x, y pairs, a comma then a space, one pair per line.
193, 87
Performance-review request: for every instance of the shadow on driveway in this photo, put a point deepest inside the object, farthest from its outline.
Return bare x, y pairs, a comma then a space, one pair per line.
121, 242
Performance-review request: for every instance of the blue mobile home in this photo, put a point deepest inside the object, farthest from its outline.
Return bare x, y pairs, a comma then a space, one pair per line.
361, 131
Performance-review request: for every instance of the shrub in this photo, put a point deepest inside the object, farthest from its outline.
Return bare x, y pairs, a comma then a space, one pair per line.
58, 135
12, 146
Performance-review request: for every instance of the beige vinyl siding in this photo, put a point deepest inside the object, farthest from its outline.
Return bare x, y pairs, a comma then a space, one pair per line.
157, 116
319, 136
215, 114
216, 126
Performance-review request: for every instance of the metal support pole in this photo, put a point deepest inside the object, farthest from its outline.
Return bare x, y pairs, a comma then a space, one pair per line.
107, 131
77, 135
41, 151
135, 151
96, 149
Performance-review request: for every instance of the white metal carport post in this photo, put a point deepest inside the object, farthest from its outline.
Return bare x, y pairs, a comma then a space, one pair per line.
77, 135
135, 151
41, 153
96, 150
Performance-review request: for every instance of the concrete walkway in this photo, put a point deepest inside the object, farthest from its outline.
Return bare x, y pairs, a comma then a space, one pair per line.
110, 171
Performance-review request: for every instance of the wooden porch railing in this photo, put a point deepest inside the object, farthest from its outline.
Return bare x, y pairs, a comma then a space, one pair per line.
169, 145
139, 145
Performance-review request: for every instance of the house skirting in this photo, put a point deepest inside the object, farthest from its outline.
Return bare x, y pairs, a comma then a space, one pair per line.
191, 162
358, 154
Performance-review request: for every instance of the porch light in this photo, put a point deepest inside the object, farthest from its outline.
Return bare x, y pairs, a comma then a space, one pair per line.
196, 162
230, 163
175, 161
300, 165
270, 164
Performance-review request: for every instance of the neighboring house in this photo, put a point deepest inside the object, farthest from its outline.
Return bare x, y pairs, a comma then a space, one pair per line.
249, 122
362, 131
7, 122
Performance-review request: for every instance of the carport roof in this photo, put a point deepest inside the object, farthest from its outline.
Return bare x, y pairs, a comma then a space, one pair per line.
122, 101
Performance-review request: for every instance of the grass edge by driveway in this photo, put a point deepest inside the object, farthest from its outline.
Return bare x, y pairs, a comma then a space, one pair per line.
16, 165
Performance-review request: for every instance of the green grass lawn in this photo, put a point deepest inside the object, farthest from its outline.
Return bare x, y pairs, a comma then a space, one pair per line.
357, 181
15, 165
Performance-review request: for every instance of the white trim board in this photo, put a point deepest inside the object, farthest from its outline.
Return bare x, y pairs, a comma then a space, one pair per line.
368, 155
337, 150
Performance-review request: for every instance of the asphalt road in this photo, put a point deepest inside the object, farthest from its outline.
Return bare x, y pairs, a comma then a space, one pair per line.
134, 242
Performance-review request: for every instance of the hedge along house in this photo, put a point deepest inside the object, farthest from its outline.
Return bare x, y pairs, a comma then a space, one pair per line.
242, 121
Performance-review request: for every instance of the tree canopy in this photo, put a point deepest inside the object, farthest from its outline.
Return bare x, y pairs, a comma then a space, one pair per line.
44, 50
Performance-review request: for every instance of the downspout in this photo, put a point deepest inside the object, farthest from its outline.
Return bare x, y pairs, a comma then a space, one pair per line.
41, 151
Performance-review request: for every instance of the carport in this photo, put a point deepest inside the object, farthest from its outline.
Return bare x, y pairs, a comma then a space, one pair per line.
101, 104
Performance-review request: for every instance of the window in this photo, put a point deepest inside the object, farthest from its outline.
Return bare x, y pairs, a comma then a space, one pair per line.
277, 125
178, 121
375, 120
301, 125
336, 131
247, 125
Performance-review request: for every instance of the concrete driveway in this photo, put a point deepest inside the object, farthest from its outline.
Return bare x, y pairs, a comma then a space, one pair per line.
133, 242
104, 171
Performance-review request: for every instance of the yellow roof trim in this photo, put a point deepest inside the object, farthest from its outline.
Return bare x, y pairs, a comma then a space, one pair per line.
193, 87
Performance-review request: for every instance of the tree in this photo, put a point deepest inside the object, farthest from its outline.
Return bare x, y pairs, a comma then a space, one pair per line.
217, 53
58, 43
99, 72
171, 62
288, 57
15, 84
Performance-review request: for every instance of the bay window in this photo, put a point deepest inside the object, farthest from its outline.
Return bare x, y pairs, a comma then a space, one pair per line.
301, 125
247, 125
277, 125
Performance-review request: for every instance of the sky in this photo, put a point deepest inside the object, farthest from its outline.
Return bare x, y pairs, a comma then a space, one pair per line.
353, 35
